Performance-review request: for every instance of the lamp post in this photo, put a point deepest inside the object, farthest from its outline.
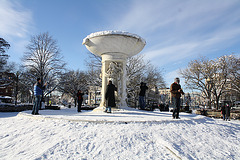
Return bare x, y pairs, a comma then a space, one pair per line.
17, 76
156, 94
209, 82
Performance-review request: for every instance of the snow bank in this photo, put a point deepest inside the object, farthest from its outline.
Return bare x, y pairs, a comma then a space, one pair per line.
52, 136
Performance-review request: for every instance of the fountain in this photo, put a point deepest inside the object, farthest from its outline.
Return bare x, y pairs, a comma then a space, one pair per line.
114, 47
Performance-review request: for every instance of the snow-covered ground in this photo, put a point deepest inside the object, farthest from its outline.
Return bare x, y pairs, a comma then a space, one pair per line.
124, 134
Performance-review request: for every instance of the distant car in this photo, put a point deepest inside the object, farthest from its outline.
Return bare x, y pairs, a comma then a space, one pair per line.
5, 99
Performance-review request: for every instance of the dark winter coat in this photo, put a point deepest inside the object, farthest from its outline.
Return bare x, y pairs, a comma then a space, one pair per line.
223, 109
80, 96
143, 90
110, 97
228, 111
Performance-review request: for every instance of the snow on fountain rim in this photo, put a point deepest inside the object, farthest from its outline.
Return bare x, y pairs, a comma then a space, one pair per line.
111, 33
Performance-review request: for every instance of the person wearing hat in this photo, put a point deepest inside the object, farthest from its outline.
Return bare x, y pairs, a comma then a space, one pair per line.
38, 90
176, 92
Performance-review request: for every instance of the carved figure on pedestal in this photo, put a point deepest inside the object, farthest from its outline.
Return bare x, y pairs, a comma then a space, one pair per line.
114, 72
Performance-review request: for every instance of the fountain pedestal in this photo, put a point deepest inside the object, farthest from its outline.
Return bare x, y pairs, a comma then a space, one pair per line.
114, 47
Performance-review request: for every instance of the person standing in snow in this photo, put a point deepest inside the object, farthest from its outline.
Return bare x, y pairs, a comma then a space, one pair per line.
228, 109
143, 88
176, 92
80, 100
223, 111
110, 97
38, 91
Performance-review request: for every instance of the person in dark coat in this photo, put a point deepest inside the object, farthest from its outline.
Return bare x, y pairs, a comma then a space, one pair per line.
38, 91
110, 97
176, 92
80, 100
228, 112
143, 88
223, 111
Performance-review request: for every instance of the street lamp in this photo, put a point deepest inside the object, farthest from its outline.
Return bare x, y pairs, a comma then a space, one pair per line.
17, 75
209, 82
156, 94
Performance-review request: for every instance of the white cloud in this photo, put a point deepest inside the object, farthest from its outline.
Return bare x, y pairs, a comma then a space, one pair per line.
16, 25
179, 51
182, 27
169, 77
191, 49
15, 20
177, 31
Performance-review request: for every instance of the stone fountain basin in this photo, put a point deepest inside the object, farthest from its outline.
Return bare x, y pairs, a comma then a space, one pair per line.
114, 42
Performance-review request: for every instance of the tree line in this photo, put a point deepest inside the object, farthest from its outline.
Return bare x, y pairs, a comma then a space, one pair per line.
43, 59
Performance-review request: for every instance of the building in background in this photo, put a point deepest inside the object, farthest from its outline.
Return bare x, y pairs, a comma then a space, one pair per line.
165, 95
7, 84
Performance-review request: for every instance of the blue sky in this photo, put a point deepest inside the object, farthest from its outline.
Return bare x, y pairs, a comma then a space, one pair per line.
176, 31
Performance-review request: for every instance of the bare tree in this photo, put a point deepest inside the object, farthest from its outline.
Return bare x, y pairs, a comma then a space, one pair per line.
199, 76
212, 77
27, 79
72, 81
4, 45
94, 70
5, 66
43, 59
234, 70
136, 68
154, 77
93, 61
221, 77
